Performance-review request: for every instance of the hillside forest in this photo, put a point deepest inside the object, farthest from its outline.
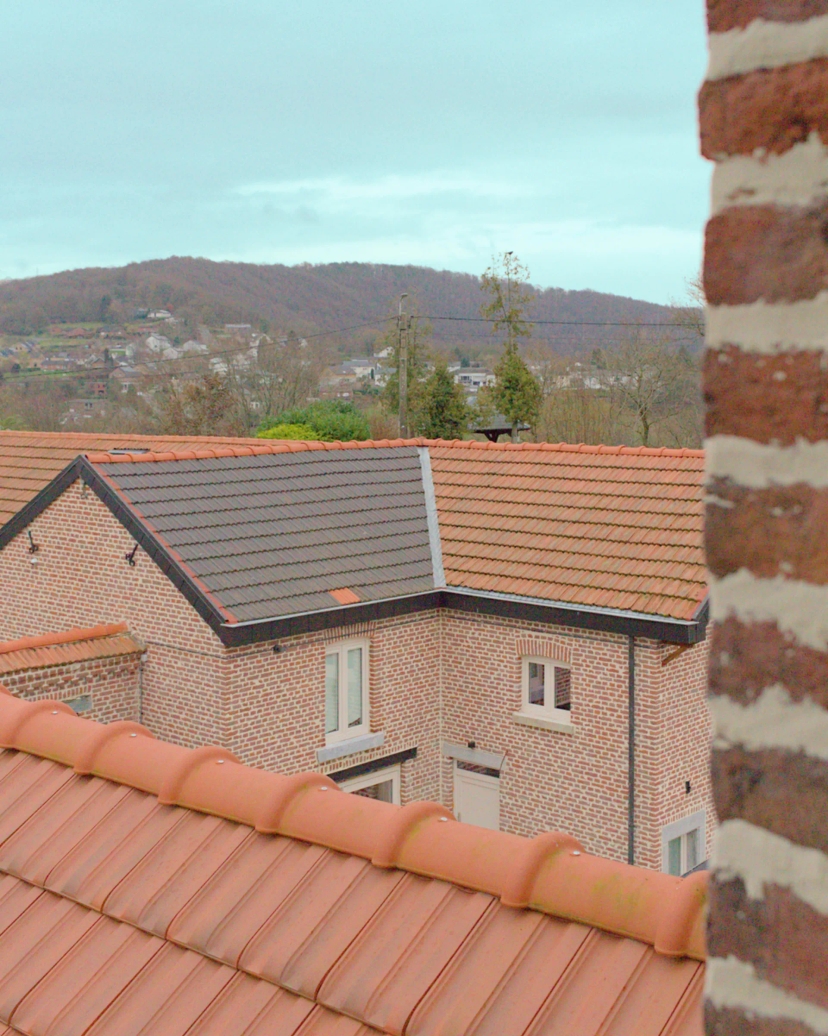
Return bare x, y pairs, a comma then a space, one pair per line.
191, 346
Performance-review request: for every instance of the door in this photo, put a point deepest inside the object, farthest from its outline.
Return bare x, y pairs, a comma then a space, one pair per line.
476, 798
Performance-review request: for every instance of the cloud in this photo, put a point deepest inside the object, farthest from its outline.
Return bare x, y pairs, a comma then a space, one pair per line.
338, 193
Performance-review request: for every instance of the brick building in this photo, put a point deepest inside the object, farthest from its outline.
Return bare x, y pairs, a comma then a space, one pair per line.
517, 632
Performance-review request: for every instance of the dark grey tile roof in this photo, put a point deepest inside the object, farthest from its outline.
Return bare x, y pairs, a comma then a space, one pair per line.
270, 535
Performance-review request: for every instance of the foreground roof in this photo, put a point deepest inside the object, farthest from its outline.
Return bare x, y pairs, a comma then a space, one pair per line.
30, 460
146, 888
265, 531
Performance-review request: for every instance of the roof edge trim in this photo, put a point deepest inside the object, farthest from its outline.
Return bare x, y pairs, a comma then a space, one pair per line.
558, 613
432, 518
151, 544
67, 637
38, 504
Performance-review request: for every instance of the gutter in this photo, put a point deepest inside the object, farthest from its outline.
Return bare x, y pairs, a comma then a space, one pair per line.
630, 624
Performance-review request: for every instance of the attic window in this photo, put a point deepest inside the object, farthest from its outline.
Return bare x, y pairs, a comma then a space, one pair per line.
126, 452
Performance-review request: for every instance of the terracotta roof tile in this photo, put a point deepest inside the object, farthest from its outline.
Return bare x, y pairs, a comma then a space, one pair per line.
574, 525
149, 888
77, 645
574, 515
30, 460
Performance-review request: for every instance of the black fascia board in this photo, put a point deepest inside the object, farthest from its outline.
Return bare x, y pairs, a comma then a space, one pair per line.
361, 769
38, 503
671, 631
180, 579
254, 631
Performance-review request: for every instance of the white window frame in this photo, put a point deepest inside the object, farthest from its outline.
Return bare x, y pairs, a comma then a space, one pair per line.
680, 829
368, 780
344, 732
545, 711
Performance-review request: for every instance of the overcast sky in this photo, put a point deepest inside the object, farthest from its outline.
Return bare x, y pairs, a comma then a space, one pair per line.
433, 132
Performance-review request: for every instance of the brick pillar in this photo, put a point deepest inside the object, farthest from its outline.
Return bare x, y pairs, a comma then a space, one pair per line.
764, 121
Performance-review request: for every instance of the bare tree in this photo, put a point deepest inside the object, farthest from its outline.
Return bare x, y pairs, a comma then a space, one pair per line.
657, 384
284, 375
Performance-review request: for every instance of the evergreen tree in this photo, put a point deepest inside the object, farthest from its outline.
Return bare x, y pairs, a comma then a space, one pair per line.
516, 392
443, 411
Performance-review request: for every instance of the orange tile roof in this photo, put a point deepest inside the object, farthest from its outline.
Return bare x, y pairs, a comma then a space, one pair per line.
30, 460
608, 527
605, 527
147, 888
77, 645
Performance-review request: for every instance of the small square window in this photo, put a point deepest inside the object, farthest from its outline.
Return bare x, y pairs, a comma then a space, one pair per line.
547, 689
346, 691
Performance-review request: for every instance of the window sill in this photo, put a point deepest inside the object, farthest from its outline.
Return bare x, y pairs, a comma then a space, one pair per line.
350, 746
541, 723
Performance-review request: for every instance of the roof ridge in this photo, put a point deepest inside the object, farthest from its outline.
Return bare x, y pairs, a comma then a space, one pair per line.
263, 447
550, 873
67, 637
143, 436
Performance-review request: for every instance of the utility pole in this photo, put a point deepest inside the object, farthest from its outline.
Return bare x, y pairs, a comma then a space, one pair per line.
402, 366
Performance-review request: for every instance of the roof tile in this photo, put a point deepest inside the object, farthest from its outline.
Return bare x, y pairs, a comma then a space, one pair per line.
184, 922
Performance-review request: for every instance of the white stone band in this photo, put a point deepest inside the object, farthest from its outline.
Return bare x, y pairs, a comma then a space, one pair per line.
761, 858
770, 327
797, 177
797, 608
764, 44
772, 721
756, 465
731, 983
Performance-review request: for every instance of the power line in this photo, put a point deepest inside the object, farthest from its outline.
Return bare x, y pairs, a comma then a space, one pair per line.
570, 323
28, 375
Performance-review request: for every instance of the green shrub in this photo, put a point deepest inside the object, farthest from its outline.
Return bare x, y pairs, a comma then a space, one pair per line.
331, 420
290, 431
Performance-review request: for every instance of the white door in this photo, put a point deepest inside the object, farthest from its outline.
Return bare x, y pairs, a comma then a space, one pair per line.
477, 798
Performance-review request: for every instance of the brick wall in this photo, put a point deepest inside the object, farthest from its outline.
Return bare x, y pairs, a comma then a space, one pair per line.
577, 782
764, 121
111, 683
275, 706
81, 575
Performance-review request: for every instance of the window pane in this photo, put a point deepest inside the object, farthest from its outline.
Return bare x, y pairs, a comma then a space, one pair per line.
354, 687
331, 693
674, 857
563, 680
536, 688
693, 854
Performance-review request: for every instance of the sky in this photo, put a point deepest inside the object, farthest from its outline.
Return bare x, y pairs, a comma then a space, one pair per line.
437, 132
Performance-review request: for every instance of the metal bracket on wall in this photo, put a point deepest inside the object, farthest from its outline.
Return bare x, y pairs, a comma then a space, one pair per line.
130, 558
33, 547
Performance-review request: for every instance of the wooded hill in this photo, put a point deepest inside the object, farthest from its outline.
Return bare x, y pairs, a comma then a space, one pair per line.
307, 299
